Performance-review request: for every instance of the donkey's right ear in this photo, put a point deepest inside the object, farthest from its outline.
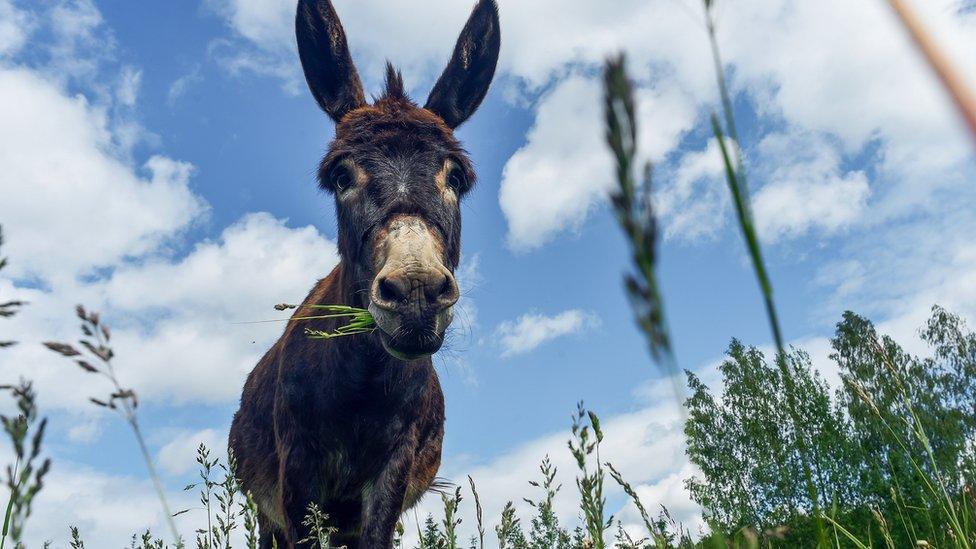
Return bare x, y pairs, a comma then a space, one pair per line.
328, 67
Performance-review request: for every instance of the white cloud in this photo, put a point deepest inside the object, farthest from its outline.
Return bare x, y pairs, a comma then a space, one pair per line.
531, 330
15, 26
107, 509
692, 199
195, 303
85, 225
263, 37
175, 321
70, 204
129, 83
178, 456
180, 86
80, 46
840, 88
564, 169
856, 80
806, 188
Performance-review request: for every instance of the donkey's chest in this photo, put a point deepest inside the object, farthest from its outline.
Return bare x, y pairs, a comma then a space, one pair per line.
353, 455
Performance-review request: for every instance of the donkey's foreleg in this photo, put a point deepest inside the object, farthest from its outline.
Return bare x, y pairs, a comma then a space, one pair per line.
299, 465
298, 481
269, 536
384, 502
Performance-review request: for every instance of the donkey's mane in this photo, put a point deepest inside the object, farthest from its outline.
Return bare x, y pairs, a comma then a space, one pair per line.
394, 85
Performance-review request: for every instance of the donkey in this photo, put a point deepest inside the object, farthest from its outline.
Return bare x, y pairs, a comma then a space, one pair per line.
355, 424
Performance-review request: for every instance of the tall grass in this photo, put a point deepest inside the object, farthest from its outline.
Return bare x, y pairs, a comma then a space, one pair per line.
9, 307
97, 360
735, 175
25, 478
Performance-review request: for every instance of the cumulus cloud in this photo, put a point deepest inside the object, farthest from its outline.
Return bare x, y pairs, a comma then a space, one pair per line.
692, 199
531, 330
181, 315
857, 80
806, 188
551, 184
262, 39
15, 26
84, 224
106, 508
69, 203
178, 456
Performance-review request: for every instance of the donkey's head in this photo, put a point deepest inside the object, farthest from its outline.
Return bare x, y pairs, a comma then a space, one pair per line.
398, 174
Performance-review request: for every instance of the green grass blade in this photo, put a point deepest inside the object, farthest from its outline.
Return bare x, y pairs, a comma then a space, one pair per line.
837, 526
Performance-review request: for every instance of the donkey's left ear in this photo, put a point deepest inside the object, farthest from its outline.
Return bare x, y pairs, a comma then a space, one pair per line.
465, 81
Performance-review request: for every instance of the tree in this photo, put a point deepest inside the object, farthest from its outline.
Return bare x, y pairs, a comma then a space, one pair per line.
896, 431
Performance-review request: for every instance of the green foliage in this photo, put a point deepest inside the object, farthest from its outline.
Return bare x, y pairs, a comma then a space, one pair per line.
358, 321
870, 453
509, 532
320, 533
25, 478
146, 541
431, 536
249, 515
221, 493
745, 444
76, 541
451, 518
545, 531
589, 479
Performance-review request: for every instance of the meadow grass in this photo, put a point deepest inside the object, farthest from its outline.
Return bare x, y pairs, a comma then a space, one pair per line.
358, 320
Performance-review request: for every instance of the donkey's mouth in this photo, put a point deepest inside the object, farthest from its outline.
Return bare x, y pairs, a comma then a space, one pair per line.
410, 339
411, 346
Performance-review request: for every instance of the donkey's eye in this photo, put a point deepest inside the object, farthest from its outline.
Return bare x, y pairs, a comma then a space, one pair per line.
339, 178
456, 180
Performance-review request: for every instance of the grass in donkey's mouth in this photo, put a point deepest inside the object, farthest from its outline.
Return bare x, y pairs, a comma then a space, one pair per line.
359, 320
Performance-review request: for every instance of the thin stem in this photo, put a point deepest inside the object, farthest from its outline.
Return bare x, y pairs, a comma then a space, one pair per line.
157, 484
317, 317
130, 416
735, 175
961, 94
10, 505
723, 89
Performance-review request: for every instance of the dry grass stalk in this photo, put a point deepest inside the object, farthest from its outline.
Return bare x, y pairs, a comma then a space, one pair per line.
951, 79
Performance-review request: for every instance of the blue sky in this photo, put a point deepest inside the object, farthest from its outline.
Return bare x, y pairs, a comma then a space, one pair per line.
159, 166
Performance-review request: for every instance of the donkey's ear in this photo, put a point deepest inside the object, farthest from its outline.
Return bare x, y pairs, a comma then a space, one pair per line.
328, 67
465, 81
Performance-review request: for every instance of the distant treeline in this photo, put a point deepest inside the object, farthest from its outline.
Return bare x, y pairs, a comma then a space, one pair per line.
891, 449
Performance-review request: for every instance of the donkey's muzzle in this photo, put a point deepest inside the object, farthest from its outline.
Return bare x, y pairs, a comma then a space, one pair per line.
413, 293
406, 289
413, 309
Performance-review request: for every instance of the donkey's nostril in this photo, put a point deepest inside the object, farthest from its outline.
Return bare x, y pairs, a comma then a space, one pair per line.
393, 289
430, 289
447, 291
